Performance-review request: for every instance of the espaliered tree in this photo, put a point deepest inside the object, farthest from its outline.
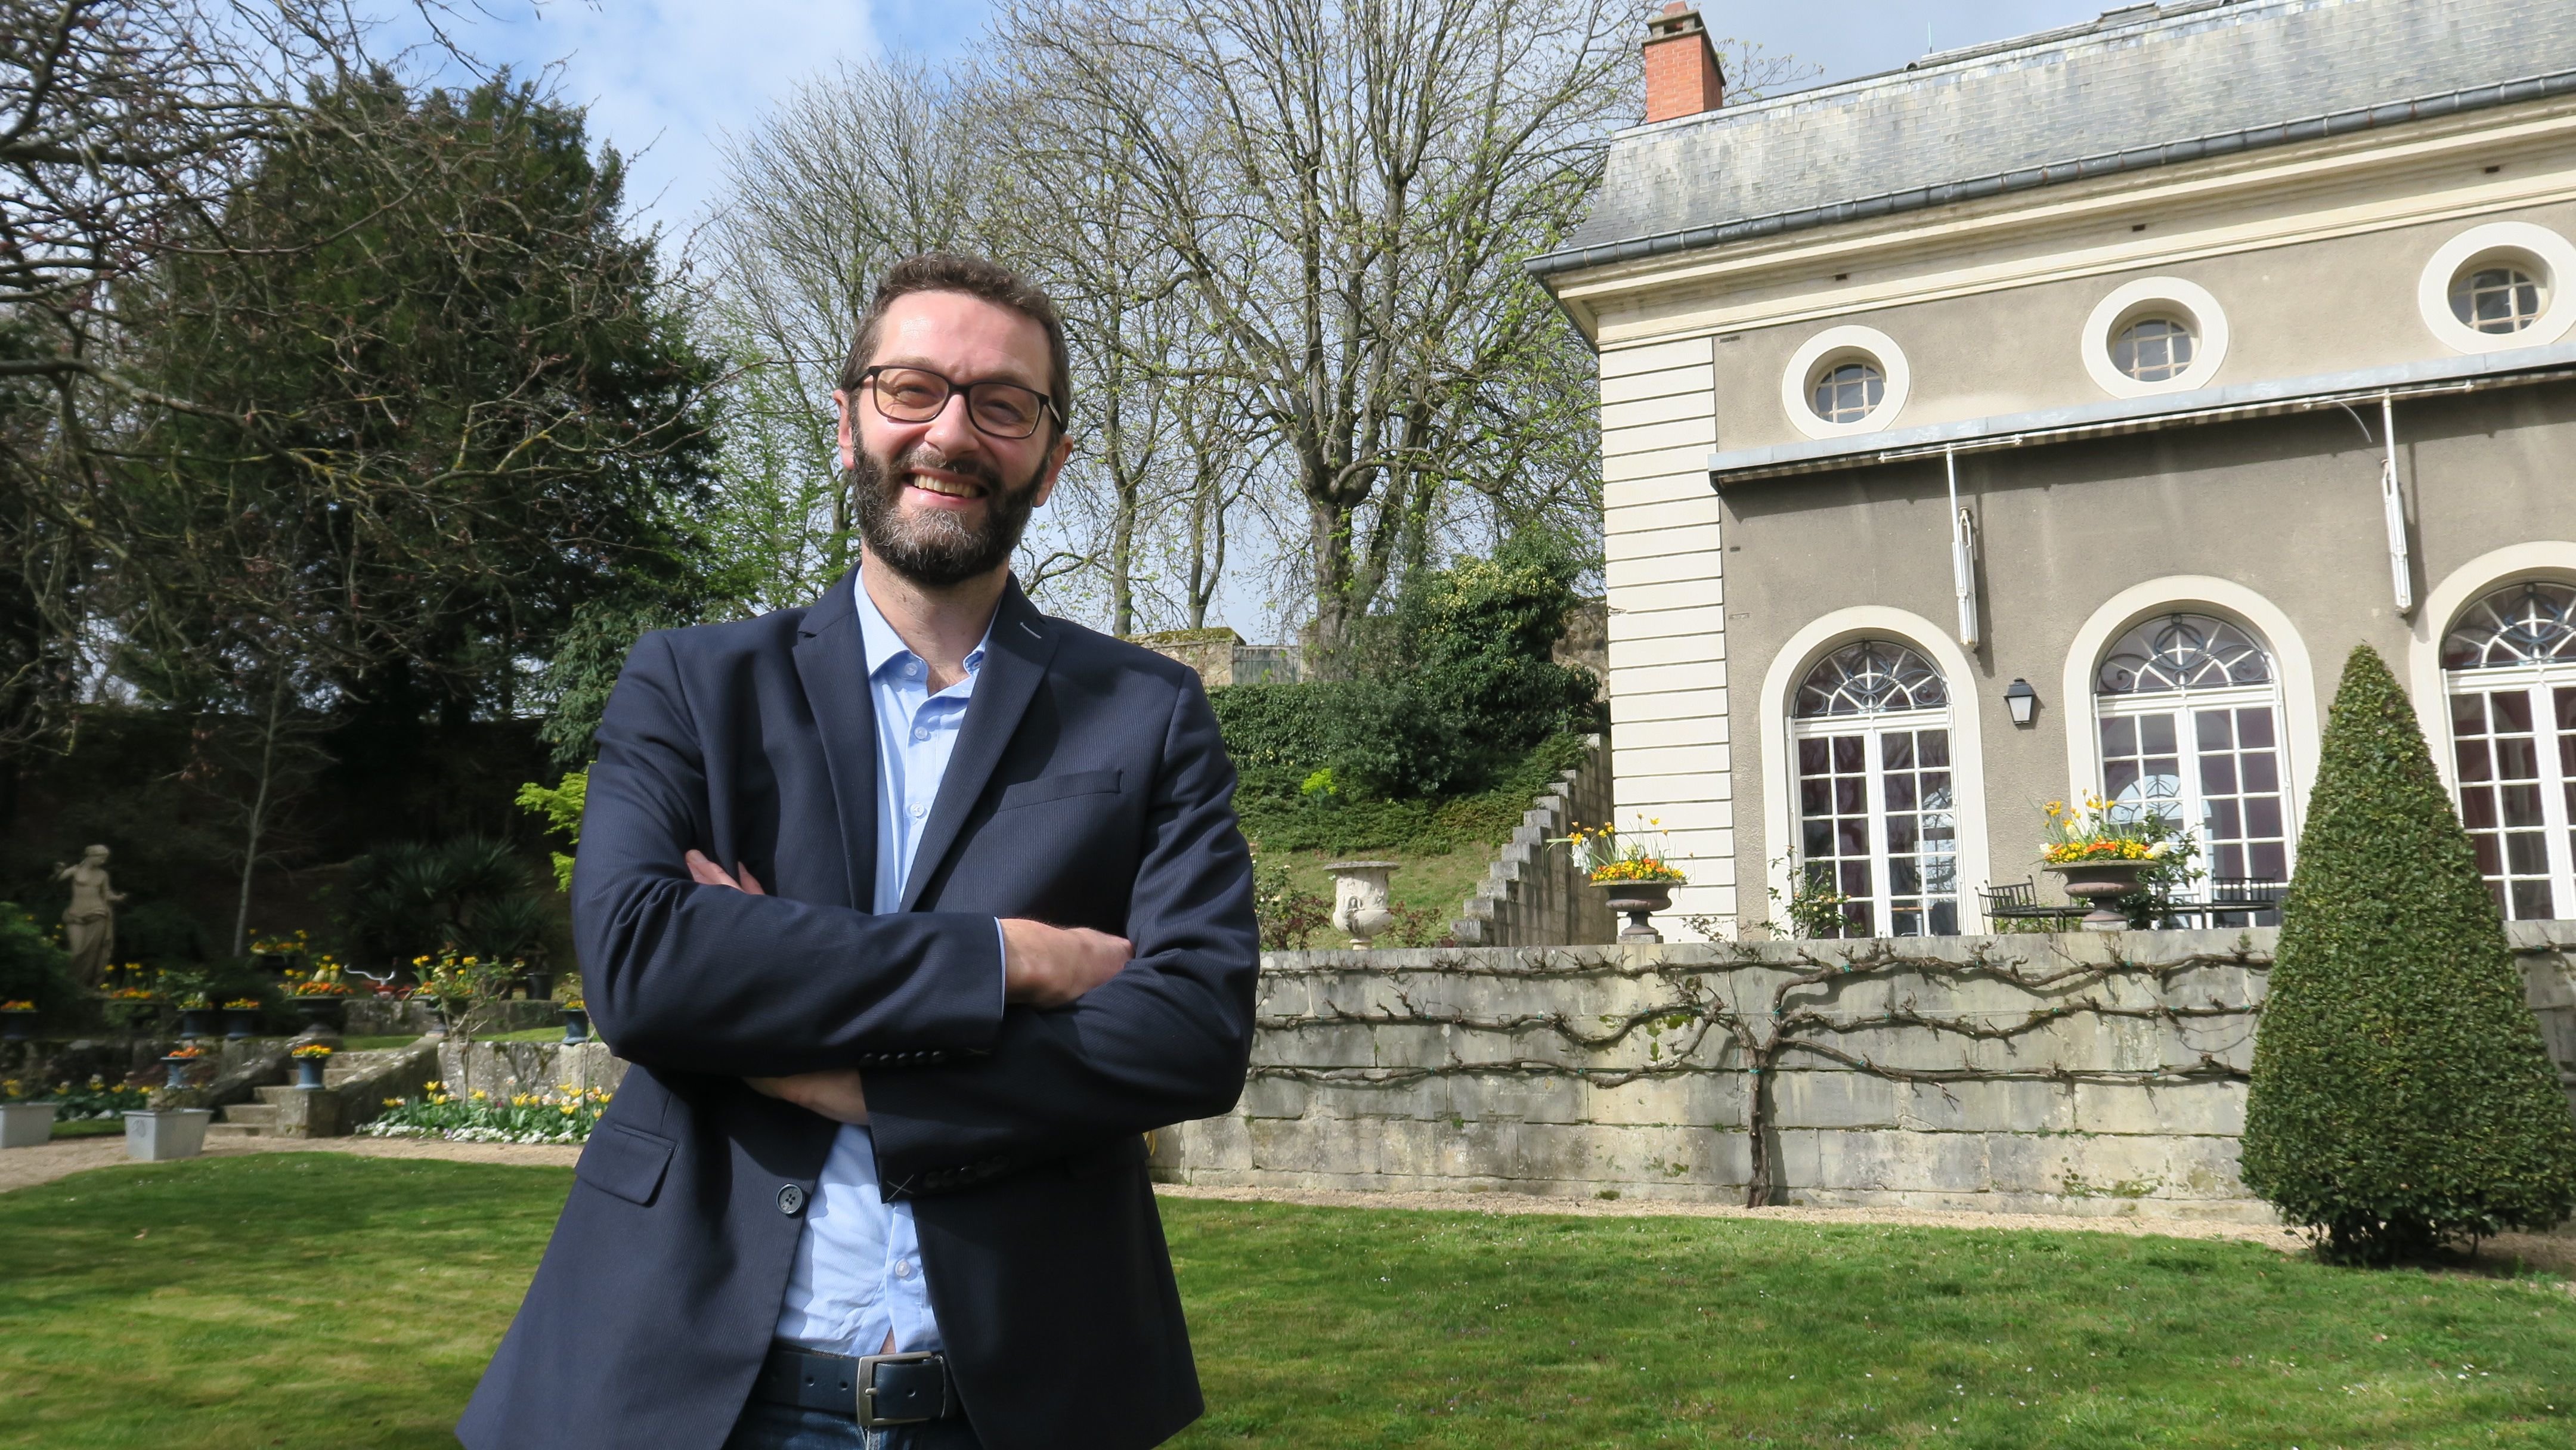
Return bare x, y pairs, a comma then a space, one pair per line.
2402, 1097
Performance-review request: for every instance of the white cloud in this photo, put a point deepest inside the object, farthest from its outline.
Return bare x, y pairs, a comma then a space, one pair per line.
667, 78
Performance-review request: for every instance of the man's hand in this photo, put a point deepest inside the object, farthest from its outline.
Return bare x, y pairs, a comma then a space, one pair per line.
1050, 966
835, 1094
708, 873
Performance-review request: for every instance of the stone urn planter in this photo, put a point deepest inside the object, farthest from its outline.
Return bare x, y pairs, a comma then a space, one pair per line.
179, 1063
308, 1072
192, 1022
2102, 883
240, 1023
1360, 905
17, 1024
576, 1026
158, 1137
1638, 900
24, 1125
541, 985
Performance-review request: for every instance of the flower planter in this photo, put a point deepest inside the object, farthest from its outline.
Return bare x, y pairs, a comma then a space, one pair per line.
17, 1026
541, 986
576, 1026
240, 1023
192, 1022
2102, 883
1638, 900
1360, 902
179, 1069
322, 1014
308, 1071
170, 1133
24, 1125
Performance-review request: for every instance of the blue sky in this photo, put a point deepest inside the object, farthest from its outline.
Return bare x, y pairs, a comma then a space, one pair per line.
669, 77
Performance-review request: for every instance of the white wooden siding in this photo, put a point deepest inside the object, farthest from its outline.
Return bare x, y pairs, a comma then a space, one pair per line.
1667, 622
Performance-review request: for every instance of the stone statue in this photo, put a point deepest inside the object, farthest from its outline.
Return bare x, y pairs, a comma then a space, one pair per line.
89, 923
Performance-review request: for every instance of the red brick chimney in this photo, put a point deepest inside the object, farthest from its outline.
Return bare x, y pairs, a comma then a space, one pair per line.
1682, 78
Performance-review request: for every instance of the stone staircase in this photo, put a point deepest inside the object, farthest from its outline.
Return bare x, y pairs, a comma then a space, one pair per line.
260, 1119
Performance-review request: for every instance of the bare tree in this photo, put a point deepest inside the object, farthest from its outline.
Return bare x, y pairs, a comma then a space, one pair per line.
1351, 186
849, 175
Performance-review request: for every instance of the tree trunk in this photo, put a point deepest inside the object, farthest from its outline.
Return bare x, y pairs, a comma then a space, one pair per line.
258, 814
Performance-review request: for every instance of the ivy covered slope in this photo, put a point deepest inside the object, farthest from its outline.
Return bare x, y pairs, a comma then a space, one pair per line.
1453, 715
2402, 1095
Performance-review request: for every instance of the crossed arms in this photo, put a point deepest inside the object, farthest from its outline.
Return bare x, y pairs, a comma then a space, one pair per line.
1083, 1036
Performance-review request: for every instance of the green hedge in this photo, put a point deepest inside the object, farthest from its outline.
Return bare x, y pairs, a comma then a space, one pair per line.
2402, 1095
1414, 827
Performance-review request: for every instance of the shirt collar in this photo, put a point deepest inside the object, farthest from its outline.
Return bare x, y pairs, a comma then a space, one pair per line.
884, 647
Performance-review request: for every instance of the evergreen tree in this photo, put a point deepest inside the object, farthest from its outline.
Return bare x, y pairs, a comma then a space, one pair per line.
2402, 1095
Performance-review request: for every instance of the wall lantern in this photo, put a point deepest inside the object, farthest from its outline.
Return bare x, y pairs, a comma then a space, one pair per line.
2022, 701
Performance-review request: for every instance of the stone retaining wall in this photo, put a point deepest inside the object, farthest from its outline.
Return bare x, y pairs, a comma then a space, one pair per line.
2061, 1073
504, 1068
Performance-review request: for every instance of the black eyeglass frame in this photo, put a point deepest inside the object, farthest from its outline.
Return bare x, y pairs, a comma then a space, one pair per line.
868, 380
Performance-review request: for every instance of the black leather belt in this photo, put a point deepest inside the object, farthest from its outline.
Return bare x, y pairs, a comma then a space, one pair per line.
877, 1389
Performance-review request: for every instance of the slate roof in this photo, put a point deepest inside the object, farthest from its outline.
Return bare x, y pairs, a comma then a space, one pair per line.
2143, 86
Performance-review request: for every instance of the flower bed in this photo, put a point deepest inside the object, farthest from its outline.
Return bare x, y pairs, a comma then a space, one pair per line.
72, 1104
564, 1116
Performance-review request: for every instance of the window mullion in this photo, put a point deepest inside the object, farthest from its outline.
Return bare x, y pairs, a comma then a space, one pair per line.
2553, 794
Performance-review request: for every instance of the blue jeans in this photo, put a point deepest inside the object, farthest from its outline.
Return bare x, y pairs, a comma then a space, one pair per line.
765, 1426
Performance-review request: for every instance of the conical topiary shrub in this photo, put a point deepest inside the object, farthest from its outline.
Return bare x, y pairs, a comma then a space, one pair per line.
2402, 1095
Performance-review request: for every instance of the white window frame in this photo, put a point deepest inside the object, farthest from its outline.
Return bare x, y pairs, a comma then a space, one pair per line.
2191, 801
2538, 681
1871, 728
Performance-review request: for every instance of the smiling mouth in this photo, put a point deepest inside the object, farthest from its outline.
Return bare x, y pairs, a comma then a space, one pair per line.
944, 487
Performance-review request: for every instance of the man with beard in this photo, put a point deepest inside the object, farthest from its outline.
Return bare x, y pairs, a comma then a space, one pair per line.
912, 911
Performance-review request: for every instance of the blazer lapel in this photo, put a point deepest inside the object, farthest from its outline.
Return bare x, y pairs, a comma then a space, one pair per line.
832, 663
1015, 662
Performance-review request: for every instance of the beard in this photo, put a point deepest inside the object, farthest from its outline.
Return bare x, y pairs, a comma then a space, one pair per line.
936, 549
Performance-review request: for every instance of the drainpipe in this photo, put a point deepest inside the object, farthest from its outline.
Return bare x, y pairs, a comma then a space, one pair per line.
1963, 555
2400, 569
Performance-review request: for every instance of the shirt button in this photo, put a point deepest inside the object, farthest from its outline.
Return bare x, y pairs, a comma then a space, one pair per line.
913, 669
903, 1268
920, 734
791, 1200
919, 810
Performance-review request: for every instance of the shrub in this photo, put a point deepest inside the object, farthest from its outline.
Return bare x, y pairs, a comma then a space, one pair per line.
33, 967
1454, 688
2402, 1095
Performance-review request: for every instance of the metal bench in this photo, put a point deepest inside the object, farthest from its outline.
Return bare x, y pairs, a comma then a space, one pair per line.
2019, 901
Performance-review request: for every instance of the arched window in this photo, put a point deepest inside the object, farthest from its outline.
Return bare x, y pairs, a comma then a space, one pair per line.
1876, 816
2190, 725
2509, 667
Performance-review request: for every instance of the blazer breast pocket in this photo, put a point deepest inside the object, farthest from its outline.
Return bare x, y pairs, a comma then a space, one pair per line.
625, 1162
1057, 787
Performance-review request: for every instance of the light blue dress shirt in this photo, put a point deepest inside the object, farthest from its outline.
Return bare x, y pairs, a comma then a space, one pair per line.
858, 1273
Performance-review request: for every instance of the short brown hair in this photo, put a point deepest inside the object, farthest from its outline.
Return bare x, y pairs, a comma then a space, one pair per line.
976, 277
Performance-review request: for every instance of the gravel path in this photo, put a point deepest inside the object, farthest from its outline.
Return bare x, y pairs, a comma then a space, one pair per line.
27, 1167
2556, 1253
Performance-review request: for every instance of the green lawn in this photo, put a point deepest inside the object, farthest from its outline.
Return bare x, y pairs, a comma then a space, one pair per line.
525, 1034
302, 1299
90, 1128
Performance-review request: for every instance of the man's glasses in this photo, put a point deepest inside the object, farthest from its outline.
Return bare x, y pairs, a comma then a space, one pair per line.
916, 395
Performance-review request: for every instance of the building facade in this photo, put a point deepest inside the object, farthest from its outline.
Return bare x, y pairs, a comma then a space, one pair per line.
2124, 377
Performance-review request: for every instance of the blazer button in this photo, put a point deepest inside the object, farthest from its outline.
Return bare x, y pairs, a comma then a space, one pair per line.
791, 1200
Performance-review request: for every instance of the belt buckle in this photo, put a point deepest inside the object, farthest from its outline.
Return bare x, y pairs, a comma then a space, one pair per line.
869, 1419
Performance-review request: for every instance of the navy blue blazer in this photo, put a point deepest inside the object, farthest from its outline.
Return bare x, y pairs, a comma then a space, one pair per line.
1089, 787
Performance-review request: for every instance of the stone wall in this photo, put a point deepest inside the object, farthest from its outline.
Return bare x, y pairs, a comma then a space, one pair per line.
505, 1068
1533, 896
2049, 1073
